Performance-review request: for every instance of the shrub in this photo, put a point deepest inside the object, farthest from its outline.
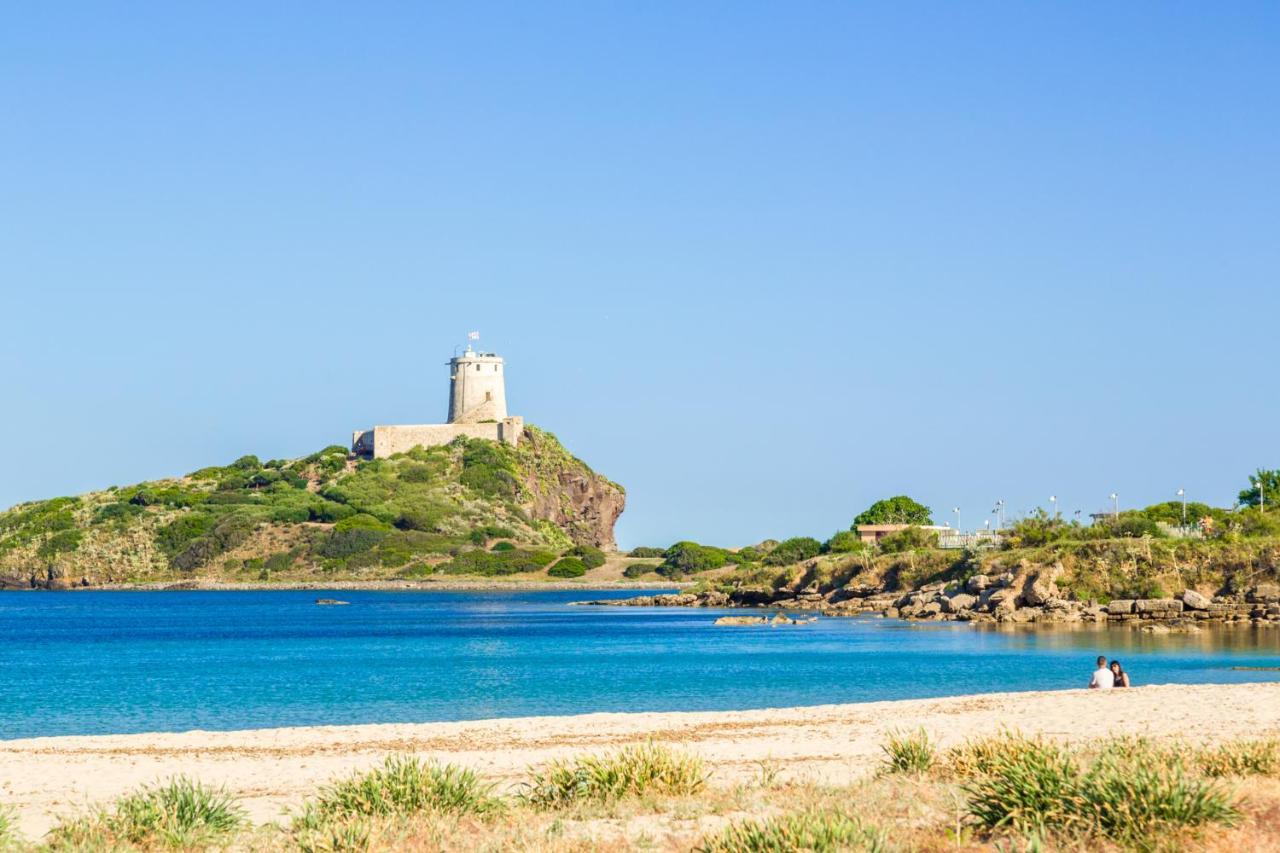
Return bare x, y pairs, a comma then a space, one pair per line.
896, 510
591, 557
246, 463
487, 469
341, 544
117, 513
977, 757
908, 539
637, 570
403, 785
685, 558
416, 473
794, 550
809, 830
490, 563
632, 771
177, 534
844, 542
180, 813
329, 511
908, 752
645, 551
360, 521
568, 567
418, 518
503, 545
62, 542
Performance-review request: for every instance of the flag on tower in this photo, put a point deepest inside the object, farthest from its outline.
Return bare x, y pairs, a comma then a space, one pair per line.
473, 336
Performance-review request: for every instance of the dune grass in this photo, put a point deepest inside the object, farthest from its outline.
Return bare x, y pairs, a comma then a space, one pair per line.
817, 831
633, 771
908, 752
1241, 758
177, 814
403, 785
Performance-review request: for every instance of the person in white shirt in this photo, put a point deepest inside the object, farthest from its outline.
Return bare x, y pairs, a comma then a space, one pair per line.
1103, 678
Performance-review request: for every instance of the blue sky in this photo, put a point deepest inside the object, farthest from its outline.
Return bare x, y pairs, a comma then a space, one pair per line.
762, 263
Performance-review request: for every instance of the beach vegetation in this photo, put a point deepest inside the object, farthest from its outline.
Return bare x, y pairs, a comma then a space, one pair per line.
646, 551
568, 567
178, 814
844, 542
820, 831
401, 785
794, 550
591, 556
637, 570
908, 539
632, 771
687, 558
908, 752
1241, 758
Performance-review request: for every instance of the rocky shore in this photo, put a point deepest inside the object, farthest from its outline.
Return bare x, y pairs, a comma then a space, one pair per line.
1012, 597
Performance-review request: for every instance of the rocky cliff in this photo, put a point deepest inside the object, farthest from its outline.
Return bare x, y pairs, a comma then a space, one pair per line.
471, 505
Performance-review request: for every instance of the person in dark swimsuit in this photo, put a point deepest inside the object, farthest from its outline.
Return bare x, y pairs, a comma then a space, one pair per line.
1122, 677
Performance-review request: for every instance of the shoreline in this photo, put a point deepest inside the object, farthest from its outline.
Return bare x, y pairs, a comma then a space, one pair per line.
273, 769
461, 585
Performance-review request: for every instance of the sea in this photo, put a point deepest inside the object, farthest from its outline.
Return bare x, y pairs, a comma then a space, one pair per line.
93, 662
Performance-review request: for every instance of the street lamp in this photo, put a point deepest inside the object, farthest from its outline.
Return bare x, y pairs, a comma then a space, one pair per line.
956, 510
1182, 493
999, 511
1115, 500
1053, 501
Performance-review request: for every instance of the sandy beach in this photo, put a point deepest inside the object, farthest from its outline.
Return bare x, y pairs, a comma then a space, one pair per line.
273, 769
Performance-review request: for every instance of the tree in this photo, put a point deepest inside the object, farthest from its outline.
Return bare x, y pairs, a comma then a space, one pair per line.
896, 510
794, 550
1270, 492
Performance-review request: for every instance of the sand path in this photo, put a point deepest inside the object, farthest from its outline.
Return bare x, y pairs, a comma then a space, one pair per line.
273, 769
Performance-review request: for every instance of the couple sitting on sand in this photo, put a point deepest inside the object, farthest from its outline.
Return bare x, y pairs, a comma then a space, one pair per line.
1105, 677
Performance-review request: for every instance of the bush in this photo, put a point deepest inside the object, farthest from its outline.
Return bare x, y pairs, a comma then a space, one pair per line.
633, 771
403, 785
844, 542
491, 563
1031, 788
591, 557
684, 558
341, 544
503, 545
419, 518
116, 513
360, 521
246, 463
809, 830
908, 752
328, 511
794, 550
637, 570
568, 567
645, 551
179, 533
896, 510
487, 469
416, 473
62, 542
178, 814
908, 539
1241, 758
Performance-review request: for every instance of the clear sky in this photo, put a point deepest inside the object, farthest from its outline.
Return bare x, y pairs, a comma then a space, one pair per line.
762, 263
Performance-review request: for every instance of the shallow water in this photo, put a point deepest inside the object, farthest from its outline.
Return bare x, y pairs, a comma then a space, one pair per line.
98, 662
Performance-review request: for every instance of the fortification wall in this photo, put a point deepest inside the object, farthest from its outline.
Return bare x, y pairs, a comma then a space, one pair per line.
384, 441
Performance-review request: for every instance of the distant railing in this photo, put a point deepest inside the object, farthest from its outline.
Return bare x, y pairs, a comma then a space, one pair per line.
979, 539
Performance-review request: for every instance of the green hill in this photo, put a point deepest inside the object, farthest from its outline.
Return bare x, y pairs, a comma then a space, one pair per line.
472, 506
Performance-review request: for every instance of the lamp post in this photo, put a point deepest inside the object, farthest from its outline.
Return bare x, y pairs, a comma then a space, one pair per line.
1053, 502
999, 511
1115, 500
956, 510
1182, 493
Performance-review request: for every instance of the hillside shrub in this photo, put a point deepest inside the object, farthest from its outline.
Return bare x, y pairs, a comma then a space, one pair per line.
341, 544
908, 539
686, 558
177, 534
487, 469
646, 551
426, 519
844, 542
489, 563
62, 542
591, 557
568, 567
116, 513
503, 545
637, 570
794, 550
360, 521
327, 511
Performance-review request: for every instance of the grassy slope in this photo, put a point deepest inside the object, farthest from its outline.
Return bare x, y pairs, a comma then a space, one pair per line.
323, 516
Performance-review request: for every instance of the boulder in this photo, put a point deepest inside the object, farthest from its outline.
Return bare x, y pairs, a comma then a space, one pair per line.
977, 584
959, 602
741, 620
1119, 606
1003, 600
1193, 600
1158, 605
1039, 588
1264, 593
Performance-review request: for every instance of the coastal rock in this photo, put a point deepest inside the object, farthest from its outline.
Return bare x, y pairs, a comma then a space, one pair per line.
1039, 588
977, 584
1264, 593
331, 602
742, 620
1120, 606
959, 602
1194, 600
1157, 606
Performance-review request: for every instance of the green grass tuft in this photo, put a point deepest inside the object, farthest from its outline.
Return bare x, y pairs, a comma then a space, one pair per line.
1241, 758
817, 831
177, 814
634, 771
908, 752
402, 785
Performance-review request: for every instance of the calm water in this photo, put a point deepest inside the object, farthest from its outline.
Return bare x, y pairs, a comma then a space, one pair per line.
89, 662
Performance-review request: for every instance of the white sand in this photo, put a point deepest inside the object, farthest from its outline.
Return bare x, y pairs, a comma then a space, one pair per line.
273, 769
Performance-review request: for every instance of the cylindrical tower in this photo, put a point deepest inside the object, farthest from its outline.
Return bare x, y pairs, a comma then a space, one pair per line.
476, 388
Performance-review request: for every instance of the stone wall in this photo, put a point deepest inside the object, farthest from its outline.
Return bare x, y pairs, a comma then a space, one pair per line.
383, 441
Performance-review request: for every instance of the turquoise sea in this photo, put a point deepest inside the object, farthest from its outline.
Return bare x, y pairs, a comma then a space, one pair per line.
95, 662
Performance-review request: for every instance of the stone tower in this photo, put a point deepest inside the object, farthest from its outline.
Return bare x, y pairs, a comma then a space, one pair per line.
476, 389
